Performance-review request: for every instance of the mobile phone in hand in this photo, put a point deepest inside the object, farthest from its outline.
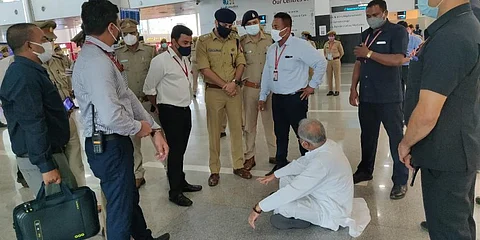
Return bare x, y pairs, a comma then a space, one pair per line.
68, 104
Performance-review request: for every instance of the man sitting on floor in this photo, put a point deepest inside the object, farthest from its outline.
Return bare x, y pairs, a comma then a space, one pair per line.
315, 189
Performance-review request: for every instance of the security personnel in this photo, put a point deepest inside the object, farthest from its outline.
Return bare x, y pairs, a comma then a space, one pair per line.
307, 36
4, 51
193, 60
135, 58
221, 61
378, 69
163, 46
255, 45
333, 51
441, 109
56, 69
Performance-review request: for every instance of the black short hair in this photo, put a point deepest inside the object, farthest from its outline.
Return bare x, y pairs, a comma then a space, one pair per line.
403, 23
287, 20
381, 3
178, 30
18, 35
97, 15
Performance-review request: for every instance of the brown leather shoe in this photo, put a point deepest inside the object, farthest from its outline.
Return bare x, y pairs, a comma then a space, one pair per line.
249, 163
243, 173
272, 160
213, 179
140, 182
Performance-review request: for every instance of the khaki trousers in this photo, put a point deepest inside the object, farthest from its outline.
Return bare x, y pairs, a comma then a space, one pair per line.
195, 78
250, 105
334, 67
137, 146
218, 103
73, 151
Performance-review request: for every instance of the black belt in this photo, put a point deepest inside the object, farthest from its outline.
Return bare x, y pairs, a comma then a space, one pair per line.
173, 107
110, 137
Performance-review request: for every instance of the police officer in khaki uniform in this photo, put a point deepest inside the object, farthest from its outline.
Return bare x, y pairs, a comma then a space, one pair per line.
221, 61
333, 51
56, 68
255, 45
193, 59
136, 58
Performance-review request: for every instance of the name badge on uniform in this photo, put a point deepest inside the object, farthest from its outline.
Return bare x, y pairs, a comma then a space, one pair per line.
124, 61
381, 43
275, 75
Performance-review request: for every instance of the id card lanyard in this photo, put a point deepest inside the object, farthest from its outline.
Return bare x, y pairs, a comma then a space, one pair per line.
277, 61
111, 56
373, 40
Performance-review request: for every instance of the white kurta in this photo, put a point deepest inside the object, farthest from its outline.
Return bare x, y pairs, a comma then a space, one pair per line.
318, 188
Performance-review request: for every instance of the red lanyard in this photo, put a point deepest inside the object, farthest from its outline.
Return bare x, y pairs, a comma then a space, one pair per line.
111, 56
179, 64
277, 59
373, 40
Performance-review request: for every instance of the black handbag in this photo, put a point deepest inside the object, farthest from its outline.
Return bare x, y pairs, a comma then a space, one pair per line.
69, 214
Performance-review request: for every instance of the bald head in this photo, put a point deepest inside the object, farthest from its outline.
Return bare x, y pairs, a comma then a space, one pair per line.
312, 131
19, 34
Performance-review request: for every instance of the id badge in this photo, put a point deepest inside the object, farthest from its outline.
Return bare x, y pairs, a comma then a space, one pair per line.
275, 75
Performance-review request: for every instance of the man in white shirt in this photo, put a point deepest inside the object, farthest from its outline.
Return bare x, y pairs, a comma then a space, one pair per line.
286, 76
315, 189
169, 86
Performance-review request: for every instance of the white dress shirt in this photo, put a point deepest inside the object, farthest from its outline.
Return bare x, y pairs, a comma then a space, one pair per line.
167, 79
293, 68
98, 81
318, 188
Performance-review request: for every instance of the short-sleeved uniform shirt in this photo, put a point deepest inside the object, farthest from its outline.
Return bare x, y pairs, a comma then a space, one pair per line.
255, 55
222, 56
449, 64
56, 72
136, 65
380, 83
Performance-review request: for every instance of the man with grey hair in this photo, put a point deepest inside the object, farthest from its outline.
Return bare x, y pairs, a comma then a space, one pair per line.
315, 189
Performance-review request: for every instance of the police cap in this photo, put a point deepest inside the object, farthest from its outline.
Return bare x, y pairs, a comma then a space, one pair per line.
48, 27
250, 15
128, 25
225, 15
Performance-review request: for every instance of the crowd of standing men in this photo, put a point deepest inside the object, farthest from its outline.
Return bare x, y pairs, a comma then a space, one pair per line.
132, 92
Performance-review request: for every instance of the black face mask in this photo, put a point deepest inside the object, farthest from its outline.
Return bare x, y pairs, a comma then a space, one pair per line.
184, 51
223, 31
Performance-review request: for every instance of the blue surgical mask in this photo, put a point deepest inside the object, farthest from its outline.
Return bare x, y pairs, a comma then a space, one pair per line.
428, 11
164, 45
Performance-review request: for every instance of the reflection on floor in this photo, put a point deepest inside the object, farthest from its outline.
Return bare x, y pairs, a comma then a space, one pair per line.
221, 212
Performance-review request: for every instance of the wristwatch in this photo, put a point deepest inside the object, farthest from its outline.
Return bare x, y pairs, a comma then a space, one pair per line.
255, 209
155, 131
369, 54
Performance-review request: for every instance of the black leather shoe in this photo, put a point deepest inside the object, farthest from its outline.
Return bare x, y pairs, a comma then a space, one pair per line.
336, 94
424, 226
223, 134
330, 93
359, 177
165, 236
398, 192
192, 188
181, 200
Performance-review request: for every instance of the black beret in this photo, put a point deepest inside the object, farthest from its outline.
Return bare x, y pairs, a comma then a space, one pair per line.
225, 15
250, 15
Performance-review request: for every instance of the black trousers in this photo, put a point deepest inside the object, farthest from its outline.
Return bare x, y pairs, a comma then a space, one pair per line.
370, 116
288, 111
448, 199
404, 78
114, 168
177, 124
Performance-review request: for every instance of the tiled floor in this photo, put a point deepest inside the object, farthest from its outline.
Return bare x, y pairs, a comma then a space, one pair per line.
221, 212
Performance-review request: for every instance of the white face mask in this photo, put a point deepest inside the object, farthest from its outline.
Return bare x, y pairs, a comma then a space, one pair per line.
252, 30
276, 34
47, 53
130, 39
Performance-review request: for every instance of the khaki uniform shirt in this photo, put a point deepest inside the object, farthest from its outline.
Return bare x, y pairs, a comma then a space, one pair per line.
56, 71
136, 65
222, 56
193, 55
255, 55
336, 50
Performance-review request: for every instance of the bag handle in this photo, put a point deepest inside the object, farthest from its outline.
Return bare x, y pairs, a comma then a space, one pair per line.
41, 195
